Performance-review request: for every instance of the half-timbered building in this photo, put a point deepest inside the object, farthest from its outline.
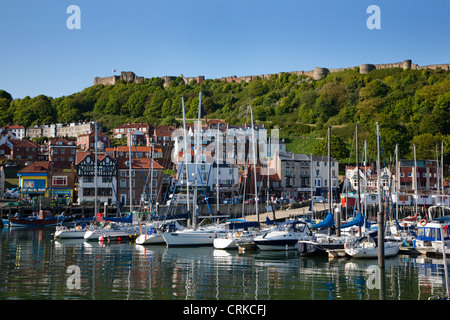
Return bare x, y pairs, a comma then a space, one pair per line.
105, 179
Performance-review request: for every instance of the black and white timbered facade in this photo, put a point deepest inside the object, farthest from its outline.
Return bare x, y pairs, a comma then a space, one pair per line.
106, 180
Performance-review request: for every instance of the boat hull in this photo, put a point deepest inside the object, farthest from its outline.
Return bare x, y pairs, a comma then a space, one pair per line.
310, 248
70, 234
150, 239
225, 243
35, 223
372, 252
189, 238
276, 244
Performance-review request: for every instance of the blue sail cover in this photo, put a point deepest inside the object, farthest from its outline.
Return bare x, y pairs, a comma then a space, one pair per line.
127, 219
328, 222
359, 221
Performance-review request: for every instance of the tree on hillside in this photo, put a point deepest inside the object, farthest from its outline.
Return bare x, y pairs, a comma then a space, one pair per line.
339, 149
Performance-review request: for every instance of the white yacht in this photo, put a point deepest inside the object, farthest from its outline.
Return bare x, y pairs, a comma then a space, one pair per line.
238, 231
368, 248
284, 236
76, 232
111, 231
200, 236
153, 233
63, 232
429, 237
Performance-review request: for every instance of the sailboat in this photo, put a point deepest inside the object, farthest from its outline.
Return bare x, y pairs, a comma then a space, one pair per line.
153, 233
81, 226
242, 233
321, 243
113, 229
368, 246
196, 235
76, 232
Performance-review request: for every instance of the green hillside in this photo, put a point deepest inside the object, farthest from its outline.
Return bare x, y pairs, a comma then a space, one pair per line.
411, 107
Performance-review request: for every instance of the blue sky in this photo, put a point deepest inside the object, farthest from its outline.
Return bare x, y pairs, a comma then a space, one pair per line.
214, 38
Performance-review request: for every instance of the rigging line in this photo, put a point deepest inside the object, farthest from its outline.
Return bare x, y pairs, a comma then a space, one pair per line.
204, 192
143, 175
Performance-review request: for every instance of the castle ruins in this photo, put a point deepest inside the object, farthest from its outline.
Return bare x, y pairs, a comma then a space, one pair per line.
316, 74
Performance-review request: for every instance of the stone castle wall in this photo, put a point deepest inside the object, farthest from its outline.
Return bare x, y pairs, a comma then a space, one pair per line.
316, 74
125, 76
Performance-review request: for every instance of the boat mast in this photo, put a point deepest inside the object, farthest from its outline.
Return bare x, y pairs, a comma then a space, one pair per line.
311, 182
130, 169
415, 179
151, 178
254, 165
380, 217
365, 179
358, 201
397, 178
330, 187
185, 154
95, 170
197, 158
442, 174
218, 145
268, 181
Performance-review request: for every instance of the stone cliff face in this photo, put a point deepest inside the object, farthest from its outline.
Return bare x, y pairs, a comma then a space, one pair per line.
317, 73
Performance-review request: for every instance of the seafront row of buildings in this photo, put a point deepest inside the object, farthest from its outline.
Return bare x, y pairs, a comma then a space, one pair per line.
77, 164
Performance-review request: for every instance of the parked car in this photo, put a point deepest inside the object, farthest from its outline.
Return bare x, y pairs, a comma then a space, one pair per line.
319, 199
252, 200
231, 201
11, 194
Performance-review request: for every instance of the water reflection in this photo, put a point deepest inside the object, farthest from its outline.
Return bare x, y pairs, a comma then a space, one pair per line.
34, 266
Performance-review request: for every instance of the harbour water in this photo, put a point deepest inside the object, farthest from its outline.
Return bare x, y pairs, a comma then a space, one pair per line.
34, 266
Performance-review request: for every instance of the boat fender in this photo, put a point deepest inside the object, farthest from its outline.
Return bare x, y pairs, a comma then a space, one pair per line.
423, 222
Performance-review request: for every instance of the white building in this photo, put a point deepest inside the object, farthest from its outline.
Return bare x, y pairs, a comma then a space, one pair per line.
17, 130
320, 175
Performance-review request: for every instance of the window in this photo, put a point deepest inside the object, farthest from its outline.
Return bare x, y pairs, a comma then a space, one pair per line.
59, 181
123, 183
88, 179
